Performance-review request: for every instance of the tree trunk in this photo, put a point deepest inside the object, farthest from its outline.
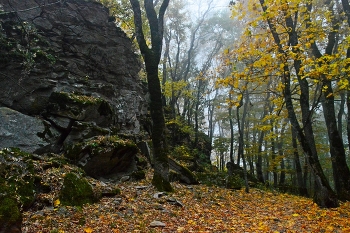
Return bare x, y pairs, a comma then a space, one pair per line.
151, 58
273, 159
231, 128
280, 155
341, 113
211, 108
241, 137
341, 172
301, 182
259, 161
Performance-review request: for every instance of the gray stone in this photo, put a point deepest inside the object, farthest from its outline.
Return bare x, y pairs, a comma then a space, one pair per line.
124, 178
22, 131
159, 194
157, 224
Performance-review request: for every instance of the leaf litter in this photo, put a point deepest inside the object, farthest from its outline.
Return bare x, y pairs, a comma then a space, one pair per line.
140, 208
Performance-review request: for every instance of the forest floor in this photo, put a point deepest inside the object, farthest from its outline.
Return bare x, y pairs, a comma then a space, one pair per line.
196, 208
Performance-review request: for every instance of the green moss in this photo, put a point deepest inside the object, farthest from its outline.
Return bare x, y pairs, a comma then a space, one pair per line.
142, 162
234, 182
116, 191
138, 175
19, 176
97, 145
64, 98
161, 184
212, 178
76, 191
9, 211
25, 189
182, 152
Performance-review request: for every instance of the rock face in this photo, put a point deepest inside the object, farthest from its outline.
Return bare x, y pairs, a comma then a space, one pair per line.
68, 75
104, 156
21, 131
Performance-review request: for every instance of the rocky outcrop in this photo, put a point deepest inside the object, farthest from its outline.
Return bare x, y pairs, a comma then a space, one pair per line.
104, 156
67, 74
22, 131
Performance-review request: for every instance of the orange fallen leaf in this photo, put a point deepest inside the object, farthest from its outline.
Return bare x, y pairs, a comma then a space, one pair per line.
88, 230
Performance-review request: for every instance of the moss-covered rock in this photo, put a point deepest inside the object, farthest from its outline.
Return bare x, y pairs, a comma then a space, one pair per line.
104, 156
160, 184
9, 211
17, 188
10, 215
76, 191
9, 208
234, 182
181, 137
18, 171
184, 174
81, 107
212, 178
138, 175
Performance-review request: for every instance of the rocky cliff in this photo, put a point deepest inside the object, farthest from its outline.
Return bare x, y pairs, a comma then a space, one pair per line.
68, 76
66, 73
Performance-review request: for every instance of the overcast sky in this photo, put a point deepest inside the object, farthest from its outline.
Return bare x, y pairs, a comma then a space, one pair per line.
199, 6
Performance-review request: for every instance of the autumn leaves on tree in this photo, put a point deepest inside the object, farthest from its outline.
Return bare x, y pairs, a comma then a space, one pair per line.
301, 46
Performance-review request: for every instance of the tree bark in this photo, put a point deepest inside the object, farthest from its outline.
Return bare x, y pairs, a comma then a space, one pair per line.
280, 154
241, 138
231, 129
346, 7
259, 161
298, 170
151, 58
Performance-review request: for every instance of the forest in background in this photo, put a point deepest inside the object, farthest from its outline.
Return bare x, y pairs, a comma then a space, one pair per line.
267, 81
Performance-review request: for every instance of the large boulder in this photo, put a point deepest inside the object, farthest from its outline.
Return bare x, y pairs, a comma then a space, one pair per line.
104, 156
23, 131
68, 74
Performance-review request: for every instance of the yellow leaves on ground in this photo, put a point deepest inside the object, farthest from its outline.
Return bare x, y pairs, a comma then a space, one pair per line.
88, 230
56, 203
206, 209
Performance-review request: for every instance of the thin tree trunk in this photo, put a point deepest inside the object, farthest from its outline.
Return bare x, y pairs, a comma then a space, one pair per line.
341, 114
241, 138
280, 155
231, 128
346, 7
152, 58
301, 182
273, 158
259, 161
